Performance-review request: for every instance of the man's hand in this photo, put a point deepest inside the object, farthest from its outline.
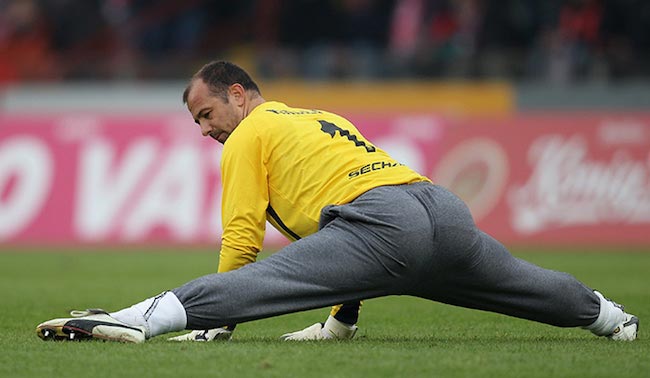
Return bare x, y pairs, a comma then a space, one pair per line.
215, 334
331, 329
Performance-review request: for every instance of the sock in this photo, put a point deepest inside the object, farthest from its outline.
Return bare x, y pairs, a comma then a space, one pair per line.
161, 314
338, 330
608, 319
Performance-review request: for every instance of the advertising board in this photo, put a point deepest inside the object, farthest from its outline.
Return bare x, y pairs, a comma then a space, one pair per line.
574, 178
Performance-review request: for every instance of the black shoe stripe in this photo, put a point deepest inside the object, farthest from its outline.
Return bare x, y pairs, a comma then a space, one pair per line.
87, 326
633, 320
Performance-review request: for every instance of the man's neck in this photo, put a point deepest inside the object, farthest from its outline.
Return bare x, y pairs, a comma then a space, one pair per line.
254, 102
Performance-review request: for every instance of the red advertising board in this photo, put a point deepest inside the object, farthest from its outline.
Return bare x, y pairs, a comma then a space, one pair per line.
560, 178
530, 178
94, 178
98, 178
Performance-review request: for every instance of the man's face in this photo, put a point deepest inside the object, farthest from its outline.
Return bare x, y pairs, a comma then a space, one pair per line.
216, 118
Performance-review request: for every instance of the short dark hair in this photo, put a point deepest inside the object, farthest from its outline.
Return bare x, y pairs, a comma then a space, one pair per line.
219, 75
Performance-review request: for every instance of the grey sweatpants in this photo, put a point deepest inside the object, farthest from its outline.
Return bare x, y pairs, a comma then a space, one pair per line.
417, 240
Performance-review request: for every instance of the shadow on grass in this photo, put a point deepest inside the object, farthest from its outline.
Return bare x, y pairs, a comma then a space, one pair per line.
505, 339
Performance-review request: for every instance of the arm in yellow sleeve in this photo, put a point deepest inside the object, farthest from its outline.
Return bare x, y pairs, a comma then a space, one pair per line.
244, 200
231, 259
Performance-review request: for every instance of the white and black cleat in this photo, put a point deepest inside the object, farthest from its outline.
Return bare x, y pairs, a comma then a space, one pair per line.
89, 325
626, 331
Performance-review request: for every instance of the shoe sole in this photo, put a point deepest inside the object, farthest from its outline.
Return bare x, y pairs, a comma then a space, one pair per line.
62, 333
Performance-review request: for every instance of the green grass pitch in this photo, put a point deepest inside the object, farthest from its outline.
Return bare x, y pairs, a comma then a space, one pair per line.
398, 337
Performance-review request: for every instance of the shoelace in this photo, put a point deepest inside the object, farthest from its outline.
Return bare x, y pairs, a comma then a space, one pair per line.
90, 311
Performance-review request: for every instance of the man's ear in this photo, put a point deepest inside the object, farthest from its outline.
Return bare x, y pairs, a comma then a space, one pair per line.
237, 93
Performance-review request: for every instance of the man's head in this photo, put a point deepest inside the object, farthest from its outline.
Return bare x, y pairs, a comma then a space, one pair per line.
219, 96
219, 76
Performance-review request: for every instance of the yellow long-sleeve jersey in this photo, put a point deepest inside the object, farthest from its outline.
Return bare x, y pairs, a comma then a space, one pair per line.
284, 165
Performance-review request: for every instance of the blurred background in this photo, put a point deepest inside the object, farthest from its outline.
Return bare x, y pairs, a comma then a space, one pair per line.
536, 112
552, 41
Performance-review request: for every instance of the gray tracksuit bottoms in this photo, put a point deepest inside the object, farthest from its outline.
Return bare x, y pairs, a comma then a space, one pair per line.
418, 240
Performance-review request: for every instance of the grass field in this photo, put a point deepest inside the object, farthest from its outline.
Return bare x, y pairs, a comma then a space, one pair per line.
398, 337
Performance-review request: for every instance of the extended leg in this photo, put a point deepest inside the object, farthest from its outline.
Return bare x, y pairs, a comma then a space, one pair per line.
321, 270
490, 278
